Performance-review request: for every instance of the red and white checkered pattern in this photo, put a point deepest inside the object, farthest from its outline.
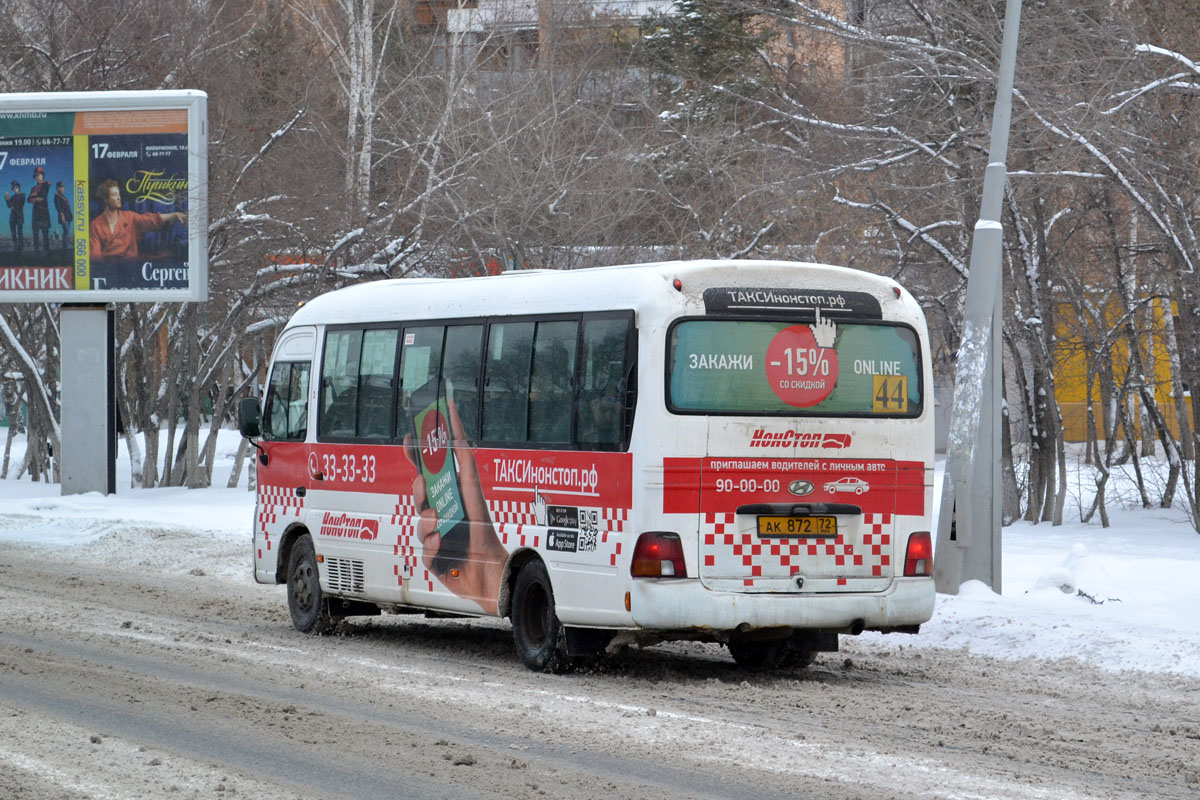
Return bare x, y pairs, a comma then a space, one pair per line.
878, 540
781, 557
510, 518
614, 519
514, 535
515, 525
275, 502
511, 511
612, 526
404, 517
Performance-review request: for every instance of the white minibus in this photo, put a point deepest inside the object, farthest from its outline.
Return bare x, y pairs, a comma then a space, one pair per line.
729, 451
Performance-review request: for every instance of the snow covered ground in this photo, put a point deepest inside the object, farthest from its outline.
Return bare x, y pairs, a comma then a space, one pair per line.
1131, 598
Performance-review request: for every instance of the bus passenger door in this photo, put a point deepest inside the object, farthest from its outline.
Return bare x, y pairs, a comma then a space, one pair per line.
351, 490
282, 466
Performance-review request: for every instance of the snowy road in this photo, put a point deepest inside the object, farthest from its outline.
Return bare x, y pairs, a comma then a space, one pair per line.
130, 677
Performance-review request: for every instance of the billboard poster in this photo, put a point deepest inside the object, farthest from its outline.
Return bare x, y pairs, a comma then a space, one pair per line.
105, 197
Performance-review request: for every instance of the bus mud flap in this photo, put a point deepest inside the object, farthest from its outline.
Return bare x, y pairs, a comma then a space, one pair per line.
587, 641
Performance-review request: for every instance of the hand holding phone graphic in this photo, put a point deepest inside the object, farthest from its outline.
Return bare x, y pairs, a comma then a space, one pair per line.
430, 419
458, 541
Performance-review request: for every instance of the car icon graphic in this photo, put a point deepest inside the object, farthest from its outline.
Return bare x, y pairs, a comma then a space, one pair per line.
856, 485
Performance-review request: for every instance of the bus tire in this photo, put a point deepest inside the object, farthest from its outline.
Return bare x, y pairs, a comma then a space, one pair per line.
793, 658
755, 655
306, 601
539, 637
759, 656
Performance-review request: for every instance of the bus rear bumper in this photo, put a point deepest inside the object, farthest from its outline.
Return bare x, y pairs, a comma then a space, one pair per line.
686, 605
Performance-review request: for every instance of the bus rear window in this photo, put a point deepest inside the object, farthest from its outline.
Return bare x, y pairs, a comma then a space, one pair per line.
825, 368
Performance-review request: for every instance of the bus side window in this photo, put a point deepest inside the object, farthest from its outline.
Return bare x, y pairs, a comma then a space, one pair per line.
286, 412
297, 425
602, 390
506, 382
376, 368
460, 366
550, 386
420, 361
339, 384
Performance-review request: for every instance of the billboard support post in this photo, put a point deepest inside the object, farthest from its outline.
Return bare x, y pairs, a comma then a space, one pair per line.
87, 461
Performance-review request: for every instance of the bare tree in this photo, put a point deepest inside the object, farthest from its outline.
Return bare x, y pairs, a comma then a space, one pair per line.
355, 140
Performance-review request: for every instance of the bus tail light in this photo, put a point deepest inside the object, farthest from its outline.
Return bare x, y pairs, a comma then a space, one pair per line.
918, 559
658, 554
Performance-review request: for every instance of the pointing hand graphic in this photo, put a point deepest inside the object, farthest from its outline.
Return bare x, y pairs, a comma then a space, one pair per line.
824, 331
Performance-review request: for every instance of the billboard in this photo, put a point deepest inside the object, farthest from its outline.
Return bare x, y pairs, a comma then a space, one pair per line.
106, 194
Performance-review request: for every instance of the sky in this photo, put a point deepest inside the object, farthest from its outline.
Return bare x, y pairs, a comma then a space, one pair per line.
1122, 598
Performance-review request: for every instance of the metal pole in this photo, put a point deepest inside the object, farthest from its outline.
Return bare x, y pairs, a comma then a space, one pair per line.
968, 535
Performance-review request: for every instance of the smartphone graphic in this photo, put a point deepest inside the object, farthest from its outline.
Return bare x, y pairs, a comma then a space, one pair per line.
429, 414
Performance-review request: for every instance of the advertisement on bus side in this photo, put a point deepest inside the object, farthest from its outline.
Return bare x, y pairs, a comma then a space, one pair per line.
561, 502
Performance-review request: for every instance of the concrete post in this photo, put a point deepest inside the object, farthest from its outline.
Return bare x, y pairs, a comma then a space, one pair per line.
968, 535
88, 458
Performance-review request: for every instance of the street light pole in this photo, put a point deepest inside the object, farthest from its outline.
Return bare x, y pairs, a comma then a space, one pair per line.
968, 534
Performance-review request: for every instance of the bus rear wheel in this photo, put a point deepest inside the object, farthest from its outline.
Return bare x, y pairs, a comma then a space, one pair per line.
306, 601
758, 656
539, 637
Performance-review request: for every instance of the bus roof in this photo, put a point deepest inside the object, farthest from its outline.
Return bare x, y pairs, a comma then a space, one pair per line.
639, 287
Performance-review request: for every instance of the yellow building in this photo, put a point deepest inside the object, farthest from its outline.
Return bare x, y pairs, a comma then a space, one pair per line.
1082, 346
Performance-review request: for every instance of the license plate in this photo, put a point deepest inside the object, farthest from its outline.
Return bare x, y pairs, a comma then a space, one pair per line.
797, 526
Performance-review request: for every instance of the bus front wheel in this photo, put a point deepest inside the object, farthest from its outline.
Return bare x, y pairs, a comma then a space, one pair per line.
306, 602
540, 639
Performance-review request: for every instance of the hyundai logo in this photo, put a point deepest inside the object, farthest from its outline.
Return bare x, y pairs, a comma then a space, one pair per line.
801, 487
